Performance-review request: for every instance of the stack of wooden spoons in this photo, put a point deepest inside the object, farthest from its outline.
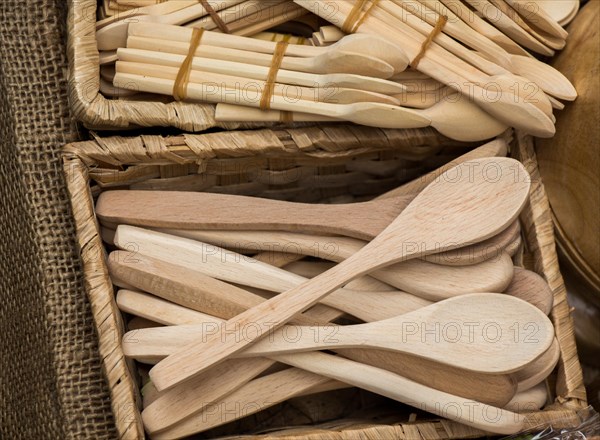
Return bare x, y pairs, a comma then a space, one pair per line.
414, 271
472, 55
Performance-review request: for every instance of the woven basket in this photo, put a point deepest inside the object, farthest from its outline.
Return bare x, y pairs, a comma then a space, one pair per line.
343, 164
99, 113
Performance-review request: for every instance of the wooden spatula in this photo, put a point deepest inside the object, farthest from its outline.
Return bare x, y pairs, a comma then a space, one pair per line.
448, 213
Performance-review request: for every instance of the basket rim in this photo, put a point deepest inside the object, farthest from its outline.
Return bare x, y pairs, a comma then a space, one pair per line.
77, 164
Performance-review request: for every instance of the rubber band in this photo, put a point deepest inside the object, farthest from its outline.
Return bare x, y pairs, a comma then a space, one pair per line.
215, 16
355, 19
439, 27
183, 76
267, 94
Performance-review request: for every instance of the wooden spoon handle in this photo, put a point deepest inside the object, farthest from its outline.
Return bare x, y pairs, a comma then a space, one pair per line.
185, 210
398, 388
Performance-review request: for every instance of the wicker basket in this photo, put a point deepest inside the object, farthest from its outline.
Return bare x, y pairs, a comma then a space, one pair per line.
343, 164
99, 113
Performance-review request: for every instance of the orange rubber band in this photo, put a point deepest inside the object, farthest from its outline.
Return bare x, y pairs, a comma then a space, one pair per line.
267, 94
355, 19
215, 16
183, 76
439, 27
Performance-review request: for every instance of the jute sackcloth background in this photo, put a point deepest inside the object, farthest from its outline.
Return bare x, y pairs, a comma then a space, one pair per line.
51, 383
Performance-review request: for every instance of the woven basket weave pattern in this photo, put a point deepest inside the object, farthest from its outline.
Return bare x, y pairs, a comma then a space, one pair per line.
51, 380
148, 158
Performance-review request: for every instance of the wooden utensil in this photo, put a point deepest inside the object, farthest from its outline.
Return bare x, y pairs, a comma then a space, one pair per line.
278, 387
336, 249
538, 370
367, 44
532, 288
428, 280
509, 107
332, 61
503, 22
363, 113
202, 292
556, 43
533, 399
464, 346
252, 88
114, 35
187, 210
260, 73
548, 78
157, 9
435, 219
453, 116
536, 12
446, 378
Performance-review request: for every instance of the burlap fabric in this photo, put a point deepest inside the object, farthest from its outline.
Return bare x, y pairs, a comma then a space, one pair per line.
51, 383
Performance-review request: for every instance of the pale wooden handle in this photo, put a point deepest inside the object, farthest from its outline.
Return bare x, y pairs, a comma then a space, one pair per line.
199, 356
398, 388
238, 113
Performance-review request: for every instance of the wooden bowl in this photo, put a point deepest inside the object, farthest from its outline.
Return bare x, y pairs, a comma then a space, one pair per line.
570, 162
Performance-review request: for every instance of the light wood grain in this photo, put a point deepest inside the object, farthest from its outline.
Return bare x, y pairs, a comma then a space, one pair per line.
416, 276
435, 221
447, 379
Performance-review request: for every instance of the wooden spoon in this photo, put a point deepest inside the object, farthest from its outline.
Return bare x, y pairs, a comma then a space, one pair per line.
533, 399
260, 73
114, 35
367, 44
201, 292
253, 88
503, 22
188, 210
447, 379
436, 220
332, 61
536, 12
532, 288
549, 79
363, 113
457, 338
549, 40
453, 116
540, 369
428, 280
510, 108
267, 391
157, 9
